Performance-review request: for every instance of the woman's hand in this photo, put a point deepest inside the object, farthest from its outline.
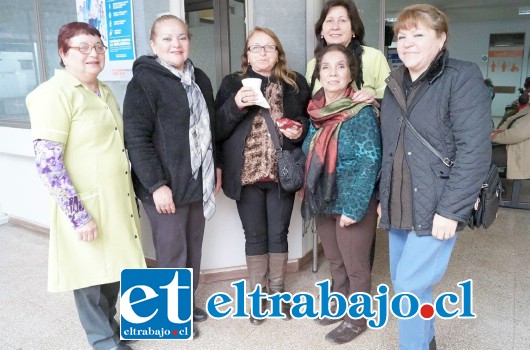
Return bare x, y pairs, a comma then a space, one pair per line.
88, 232
346, 221
219, 180
163, 198
495, 133
246, 96
292, 133
443, 228
364, 96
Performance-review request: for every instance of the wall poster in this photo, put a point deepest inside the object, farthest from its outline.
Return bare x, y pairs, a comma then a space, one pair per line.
114, 20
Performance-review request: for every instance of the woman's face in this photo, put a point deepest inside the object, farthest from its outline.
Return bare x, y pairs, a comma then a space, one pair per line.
171, 43
263, 61
336, 28
335, 74
84, 66
417, 47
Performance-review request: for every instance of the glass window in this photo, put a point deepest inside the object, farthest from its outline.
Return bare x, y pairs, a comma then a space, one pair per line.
200, 19
236, 10
19, 61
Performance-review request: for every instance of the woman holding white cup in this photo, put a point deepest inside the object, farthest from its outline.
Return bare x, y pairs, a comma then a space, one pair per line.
250, 167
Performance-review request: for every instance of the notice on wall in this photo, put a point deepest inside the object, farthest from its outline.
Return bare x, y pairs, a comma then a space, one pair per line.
114, 20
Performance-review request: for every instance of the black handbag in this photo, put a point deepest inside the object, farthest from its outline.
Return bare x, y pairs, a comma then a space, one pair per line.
487, 204
291, 163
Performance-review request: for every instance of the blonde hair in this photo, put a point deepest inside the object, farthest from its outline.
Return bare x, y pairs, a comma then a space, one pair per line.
426, 14
280, 70
164, 18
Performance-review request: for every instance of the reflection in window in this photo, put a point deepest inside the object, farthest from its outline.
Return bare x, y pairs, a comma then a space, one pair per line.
19, 69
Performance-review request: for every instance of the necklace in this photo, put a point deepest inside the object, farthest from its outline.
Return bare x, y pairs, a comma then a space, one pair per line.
97, 92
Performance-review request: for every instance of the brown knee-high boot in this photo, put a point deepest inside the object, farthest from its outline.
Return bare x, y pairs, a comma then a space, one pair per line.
277, 269
257, 266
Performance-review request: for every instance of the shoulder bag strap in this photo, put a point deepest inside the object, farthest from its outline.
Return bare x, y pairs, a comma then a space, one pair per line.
513, 121
448, 162
272, 129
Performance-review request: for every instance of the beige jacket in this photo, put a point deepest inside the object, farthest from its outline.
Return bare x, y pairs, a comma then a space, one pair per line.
517, 141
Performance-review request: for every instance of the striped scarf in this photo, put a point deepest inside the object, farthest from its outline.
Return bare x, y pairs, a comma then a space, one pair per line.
200, 135
320, 187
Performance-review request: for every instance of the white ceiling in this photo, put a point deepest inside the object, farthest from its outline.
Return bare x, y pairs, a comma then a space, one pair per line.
467, 10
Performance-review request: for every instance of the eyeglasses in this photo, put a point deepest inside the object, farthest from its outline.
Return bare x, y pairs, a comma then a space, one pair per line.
86, 48
257, 48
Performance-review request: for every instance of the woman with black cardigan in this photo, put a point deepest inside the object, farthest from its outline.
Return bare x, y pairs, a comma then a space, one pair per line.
250, 170
168, 135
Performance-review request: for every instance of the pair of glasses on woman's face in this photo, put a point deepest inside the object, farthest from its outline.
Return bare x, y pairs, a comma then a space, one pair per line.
86, 48
258, 48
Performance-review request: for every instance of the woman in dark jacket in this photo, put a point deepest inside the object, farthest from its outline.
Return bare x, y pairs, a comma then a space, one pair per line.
250, 170
424, 202
168, 135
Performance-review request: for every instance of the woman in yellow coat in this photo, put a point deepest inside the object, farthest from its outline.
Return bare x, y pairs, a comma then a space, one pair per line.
77, 130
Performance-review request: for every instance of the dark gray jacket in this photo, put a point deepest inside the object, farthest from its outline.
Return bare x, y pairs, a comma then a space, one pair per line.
451, 110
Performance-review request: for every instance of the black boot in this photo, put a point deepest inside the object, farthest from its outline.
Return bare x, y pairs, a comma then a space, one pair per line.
277, 269
257, 266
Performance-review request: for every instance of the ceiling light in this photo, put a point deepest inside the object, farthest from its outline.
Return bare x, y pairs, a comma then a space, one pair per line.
524, 10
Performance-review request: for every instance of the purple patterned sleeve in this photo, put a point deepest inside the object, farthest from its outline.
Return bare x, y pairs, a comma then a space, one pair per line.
50, 166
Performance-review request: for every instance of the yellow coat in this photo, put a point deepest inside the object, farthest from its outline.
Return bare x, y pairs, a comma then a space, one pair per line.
375, 71
64, 110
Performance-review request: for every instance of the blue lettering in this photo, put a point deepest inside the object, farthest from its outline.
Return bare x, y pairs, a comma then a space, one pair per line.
410, 305
276, 302
325, 299
467, 299
439, 305
216, 300
304, 306
382, 299
256, 297
361, 306
240, 288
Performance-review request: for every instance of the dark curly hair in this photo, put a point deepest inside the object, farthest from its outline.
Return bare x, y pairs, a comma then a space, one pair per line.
352, 60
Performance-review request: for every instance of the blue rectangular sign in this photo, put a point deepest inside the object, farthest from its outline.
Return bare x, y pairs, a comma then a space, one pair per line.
156, 304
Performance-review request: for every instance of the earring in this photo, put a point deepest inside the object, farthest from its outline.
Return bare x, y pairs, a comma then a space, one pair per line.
353, 35
322, 37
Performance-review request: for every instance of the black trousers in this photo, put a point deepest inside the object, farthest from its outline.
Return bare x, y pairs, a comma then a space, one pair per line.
178, 237
265, 211
96, 307
499, 157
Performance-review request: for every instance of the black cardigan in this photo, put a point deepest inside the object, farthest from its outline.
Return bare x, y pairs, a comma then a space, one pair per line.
233, 125
156, 118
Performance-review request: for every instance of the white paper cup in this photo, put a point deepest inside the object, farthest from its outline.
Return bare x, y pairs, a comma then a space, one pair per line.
254, 83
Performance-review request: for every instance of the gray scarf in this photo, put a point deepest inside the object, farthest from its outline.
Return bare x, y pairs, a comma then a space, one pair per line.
200, 135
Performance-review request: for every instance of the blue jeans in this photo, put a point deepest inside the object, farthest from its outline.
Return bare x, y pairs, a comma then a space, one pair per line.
416, 265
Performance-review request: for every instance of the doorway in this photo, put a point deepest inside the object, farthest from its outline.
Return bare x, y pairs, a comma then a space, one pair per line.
218, 36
